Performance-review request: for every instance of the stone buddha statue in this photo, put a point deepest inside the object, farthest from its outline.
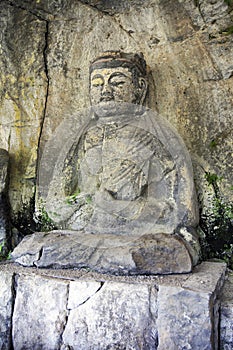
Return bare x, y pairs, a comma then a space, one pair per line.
123, 195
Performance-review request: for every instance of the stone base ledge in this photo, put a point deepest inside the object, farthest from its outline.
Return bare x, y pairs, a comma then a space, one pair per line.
107, 253
79, 309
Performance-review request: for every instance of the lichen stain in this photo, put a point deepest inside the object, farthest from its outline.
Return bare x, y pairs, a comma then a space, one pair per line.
25, 130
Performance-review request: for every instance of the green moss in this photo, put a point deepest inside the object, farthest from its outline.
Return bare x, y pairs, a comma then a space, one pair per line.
229, 2
213, 144
4, 253
72, 199
88, 199
1, 251
44, 222
227, 31
212, 178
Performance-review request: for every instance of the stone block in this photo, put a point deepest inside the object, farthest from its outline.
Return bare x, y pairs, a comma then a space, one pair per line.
188, 313
81, 291
117, 316
39, 312
184, 319
63, 309
226, 329
226, 315
6, 306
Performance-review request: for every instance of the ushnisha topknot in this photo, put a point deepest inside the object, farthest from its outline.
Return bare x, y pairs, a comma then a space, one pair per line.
112, 59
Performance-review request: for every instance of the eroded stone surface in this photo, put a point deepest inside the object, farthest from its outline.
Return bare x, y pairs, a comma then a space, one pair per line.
6, 308
116, 315
58, 309
23, 90
80, 292
129, 174
4, 165
188, 316
147, 254
179, 311
4, 209
226, 315
39, 312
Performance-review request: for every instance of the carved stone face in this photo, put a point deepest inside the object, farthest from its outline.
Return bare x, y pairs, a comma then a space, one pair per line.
112, 88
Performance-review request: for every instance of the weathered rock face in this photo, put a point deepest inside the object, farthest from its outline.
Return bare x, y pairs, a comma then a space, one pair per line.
46, 49
4, 209
65, 309
23, 98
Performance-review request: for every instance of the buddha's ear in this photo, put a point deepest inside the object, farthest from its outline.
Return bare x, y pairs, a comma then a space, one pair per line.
142, 89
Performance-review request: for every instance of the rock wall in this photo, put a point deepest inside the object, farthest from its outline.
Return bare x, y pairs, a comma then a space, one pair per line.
46, 47
4, 209
23, 98
77, 309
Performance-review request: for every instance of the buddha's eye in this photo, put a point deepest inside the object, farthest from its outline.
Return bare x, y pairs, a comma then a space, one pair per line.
119, 80
97, 82
118, 83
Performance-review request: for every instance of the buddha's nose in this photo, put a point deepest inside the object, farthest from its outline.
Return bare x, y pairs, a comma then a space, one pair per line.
106, 90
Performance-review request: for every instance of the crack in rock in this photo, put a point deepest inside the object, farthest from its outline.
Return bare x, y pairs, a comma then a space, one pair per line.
80, 292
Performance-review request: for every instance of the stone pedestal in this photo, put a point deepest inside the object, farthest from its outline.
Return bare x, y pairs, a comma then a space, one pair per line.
226, 315
106, 253
79, 309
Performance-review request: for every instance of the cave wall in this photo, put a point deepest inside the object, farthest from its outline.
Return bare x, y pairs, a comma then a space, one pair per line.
46, 47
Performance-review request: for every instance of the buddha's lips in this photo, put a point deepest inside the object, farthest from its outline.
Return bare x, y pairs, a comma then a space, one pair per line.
106, 99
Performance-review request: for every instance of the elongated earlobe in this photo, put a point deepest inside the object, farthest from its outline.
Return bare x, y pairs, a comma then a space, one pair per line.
142, 88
